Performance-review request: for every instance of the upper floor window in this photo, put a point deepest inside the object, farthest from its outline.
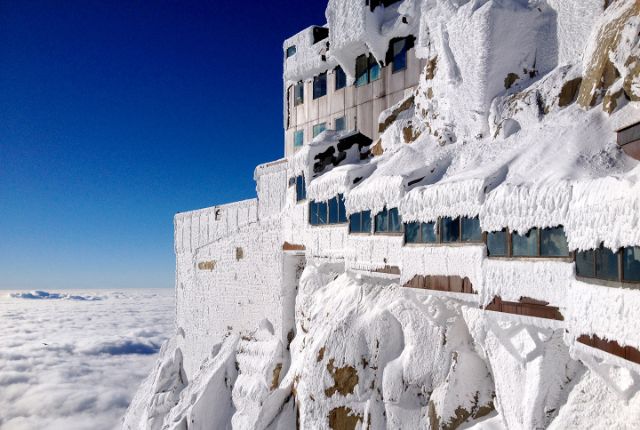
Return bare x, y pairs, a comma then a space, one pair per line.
320, 33
445, 230
603, 263
298, 93
341, 123
388, 221
341, 78
291, 51
367, 70
330, 212
298, 138
319, 128
320, 85
360, 222
301, 189
548, 242
399, 48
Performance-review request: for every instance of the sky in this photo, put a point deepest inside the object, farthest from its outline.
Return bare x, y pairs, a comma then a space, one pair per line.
114, 116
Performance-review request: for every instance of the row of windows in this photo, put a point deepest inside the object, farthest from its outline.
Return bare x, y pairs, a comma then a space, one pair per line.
603, 263
548, 242
445, 230
298, 135
330, 212
367, 70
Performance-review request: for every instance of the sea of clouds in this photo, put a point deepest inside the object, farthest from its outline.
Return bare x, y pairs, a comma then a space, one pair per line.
72, 360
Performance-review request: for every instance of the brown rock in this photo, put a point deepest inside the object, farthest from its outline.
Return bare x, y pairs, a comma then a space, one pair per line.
569, 92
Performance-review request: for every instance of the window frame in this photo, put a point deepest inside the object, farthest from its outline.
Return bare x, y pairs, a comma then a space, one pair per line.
509, 236
439, 239
339, 200
361, 229
619, 254
365, 77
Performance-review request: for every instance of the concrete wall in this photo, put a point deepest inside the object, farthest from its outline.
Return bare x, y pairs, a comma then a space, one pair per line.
361, 106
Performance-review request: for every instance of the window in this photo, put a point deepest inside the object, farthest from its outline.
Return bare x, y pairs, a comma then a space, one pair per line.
341, 78
444, 230
326, 213
298, 138
367, 70
301, 189
320, 33
398, 54
424, 232
631, 264
548, 242
341, 123
360, 222
603, 263
319, 128
291, 51
388, 221
497, 245
298, 93
320, 85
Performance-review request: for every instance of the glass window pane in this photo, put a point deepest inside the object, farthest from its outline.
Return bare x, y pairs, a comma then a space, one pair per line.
381, 221
374, 69
585, 263
301, 192
399, 55
341, 123
631, 264
412, 232
341, 78
471, 230
606, 264
320, 85
355, 223
333, 211
362, 73
395, 223
313, 213
298, 138
450, 229
497, 243
429, 232
342, 211
366, 222
553, 242
322, 213
525, 245
291, 51
299, 93
319, 128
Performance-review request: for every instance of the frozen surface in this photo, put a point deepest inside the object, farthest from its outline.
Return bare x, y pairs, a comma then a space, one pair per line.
67, 362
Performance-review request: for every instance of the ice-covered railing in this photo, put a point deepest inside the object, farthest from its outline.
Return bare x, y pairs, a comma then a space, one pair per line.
197, 228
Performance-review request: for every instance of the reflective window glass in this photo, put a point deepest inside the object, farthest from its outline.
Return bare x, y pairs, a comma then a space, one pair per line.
362, 71
497, 243
382, 221
299, 93
606, 264
320, 85
525, 245
341, 78
412, 232
585, 263
471, 229
395, 223
322, 213
631, 264
374, 69
301, 191
553, 242
450, 229
366, 222
319, 128
399, 48
313, 213
428, 232
291, 51
298, 138
341, 123
355, 221
333, 211
342, 212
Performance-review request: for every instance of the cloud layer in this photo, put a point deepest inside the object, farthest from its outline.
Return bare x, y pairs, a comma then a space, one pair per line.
73, 360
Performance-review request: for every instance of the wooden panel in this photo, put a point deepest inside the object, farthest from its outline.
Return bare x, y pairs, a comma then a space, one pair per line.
611, 347
632, 149
526, 307
292, 247
452, 284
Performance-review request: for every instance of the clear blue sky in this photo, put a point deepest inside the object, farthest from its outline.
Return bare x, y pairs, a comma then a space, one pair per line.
116, 115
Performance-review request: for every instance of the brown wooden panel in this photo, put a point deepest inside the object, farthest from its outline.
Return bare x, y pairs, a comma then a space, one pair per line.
632, 354
391, 270
292, 247
526, 309
612, 347
632, 149
454, 284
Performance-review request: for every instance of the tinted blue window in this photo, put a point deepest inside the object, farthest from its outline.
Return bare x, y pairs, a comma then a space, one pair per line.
553, 243
586, 263
341, 124
429, 232
319, 128
631, 264
395, 223
322, 213
366, 222
382, 222
341, 78
471, 229
399, 52
525, 245
342, 211
333, 211
450, 229
298, 138
362, 71
291, 51
412, 232
301, 191
497, 243
355, 223
320, 85
374, 69
313, 213
606, 264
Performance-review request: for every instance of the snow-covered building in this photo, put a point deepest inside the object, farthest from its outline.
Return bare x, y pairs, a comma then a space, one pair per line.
452, 236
